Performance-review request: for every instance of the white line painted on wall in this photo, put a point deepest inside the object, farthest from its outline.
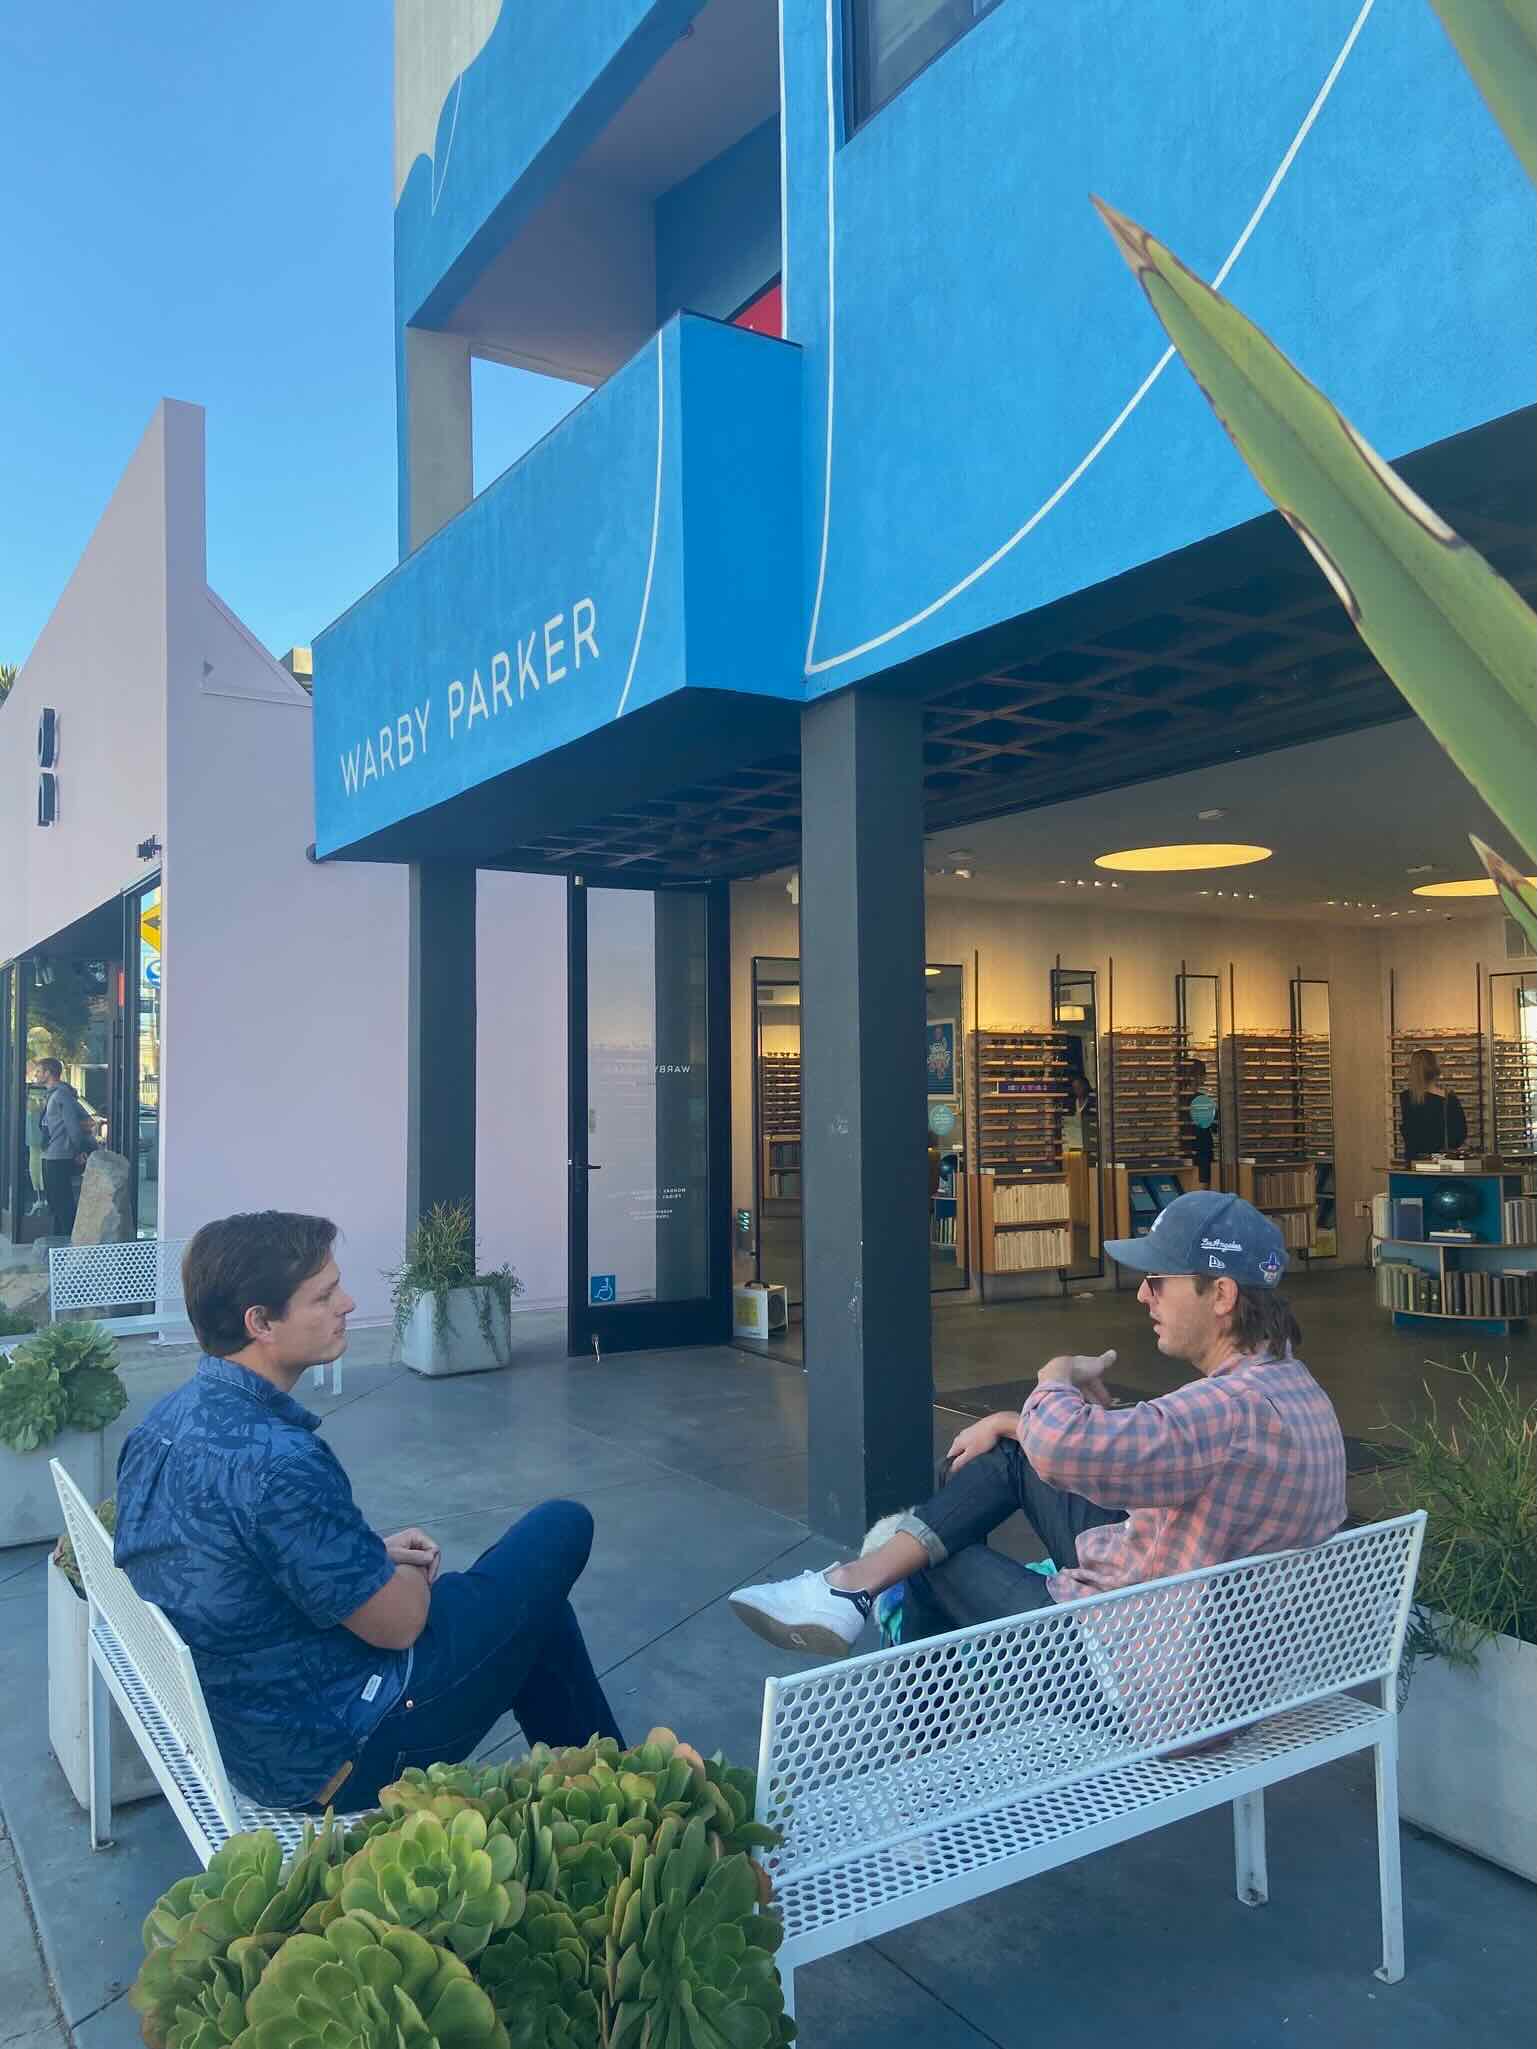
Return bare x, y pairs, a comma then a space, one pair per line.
815, 667
656, 521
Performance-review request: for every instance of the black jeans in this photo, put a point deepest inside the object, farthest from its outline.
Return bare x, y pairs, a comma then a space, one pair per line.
59, 1188
501, 1636
972, 1583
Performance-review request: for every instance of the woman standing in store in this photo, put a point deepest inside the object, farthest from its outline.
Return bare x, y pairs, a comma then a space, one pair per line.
1431, 1119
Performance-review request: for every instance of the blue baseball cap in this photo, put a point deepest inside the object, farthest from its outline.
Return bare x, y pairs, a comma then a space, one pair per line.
1208, 1233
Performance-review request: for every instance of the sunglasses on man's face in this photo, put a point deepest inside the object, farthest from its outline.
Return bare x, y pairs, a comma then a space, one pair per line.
1154, 1282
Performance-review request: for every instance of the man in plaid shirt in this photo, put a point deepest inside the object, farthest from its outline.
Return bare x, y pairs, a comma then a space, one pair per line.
1245, 1458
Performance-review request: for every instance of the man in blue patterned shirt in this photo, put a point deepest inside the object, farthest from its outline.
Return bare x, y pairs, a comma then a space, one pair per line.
330, 1657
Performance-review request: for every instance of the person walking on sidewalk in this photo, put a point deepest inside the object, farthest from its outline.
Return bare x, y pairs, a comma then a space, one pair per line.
1245, 1458
332, 1659
68, 1135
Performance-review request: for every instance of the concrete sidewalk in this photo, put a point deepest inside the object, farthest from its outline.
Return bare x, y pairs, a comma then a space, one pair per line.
694, 1466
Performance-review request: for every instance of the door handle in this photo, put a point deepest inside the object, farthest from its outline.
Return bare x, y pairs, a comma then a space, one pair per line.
594, 1167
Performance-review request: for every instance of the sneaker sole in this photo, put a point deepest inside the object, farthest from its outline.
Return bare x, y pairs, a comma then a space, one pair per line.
815, 1637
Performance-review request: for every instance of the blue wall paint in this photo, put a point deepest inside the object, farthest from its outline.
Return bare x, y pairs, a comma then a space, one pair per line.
987, 332
443, 675
548, 79
717, 234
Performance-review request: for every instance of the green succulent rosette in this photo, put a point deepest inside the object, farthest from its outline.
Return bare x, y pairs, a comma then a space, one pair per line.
362, 1984
456, 1882
540, 1976
96, 1396
689, 1958
34, 1407
64, 1378
202, 1936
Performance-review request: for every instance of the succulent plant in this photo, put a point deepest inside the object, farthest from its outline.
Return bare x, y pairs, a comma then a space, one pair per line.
541, 1982
457, 1883
688, 1956
33, 1405
65, 1377
198, 1925
363, 1984
64, 1551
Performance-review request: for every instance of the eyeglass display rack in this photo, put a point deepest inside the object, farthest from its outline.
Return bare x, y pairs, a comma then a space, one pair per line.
1460, 1061
1019, 1087
1143, 1063
1281, 1087
779, 1125
1513, 1074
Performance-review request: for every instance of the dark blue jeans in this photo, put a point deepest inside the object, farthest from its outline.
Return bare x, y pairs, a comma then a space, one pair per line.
500, 1636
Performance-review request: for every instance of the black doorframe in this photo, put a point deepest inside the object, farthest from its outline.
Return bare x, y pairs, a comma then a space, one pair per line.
638, 1326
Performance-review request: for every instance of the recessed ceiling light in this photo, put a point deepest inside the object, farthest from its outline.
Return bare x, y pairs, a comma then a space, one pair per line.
1215, 812
1476, 886
1164, 860
961, 854
1424, 868
931, 971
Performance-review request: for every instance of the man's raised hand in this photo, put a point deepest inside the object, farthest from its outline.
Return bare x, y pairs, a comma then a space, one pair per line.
1082, 1370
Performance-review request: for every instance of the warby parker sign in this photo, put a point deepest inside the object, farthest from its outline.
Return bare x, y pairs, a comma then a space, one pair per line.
463, 707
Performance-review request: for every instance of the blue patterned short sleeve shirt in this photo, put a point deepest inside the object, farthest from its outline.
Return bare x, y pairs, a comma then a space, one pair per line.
236, 1518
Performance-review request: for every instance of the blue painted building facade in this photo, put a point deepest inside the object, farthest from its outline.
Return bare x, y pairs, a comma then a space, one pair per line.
970, 418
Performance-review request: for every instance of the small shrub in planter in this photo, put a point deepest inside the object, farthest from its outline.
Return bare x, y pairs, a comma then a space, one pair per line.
13, 1324
1468, 1752
69, 1684
449, 1317
58, 1392
578, 1899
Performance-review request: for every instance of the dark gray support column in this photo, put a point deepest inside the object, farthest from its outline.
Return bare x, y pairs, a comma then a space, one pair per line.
440, 1044
864, 1100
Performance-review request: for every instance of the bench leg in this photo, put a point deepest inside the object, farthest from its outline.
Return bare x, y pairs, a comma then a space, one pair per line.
1390, 1877
787, 1986
1249, 1848
99, 1716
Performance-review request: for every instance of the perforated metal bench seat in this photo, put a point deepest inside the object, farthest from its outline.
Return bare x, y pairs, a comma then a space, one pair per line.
1055, 1823
917, 1778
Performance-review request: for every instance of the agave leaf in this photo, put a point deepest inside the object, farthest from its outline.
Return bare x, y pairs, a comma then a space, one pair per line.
1452, 634
1517, 892
1497, 40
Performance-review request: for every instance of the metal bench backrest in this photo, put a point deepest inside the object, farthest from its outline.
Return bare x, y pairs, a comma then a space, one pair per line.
160, 1658
881, 1747
108, 1276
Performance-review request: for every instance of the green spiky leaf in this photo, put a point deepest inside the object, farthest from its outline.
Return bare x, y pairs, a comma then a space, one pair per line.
1517, 892
1497, 40
1453, 635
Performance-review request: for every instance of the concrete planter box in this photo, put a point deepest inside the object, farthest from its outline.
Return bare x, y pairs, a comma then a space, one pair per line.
29, 1503
69, 1685
440, 1345
1467, 1753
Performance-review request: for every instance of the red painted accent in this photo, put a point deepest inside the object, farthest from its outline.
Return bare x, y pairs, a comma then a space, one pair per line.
766, 313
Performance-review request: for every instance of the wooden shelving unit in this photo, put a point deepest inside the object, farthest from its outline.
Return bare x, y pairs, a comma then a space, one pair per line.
1513, 1079
1481, 1279
1281, 1085
1142, 1063
779, 1093
1020, 1186
782, 1166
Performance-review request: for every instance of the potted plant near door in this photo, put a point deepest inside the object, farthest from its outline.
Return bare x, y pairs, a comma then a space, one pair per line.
69, 1685
58, 1392
449, 1317
1468, 1729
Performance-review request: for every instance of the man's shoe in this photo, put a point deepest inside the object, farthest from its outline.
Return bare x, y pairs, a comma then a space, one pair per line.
803, 1614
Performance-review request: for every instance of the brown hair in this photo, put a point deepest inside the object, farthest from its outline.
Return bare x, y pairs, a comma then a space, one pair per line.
256, 1261
1424, 1068
1263, 1321
48, 1065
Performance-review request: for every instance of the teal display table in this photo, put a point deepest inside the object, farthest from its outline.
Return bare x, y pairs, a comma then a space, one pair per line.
1481, 1280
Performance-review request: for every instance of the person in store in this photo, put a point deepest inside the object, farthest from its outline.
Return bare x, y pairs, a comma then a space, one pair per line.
1431, 1119
1247, 1457
1203, 1143
68, 1135
332, 1659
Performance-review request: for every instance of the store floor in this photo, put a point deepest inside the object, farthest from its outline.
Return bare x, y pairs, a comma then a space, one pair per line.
693, 1464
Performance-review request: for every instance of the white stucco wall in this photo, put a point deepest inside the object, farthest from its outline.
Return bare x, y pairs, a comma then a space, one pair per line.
100, 664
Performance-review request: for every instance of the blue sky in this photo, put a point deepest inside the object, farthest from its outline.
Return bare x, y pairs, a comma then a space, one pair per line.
197, 205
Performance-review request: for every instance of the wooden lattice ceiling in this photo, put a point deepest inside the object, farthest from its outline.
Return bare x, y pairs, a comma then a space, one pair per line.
1264, 662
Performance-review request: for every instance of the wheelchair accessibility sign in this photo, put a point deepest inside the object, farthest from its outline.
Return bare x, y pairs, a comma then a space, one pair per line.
602, 1288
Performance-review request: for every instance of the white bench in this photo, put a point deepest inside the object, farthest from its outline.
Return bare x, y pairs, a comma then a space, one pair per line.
138, 1660
919, 1777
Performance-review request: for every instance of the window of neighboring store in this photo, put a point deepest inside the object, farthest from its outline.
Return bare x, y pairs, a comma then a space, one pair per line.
890, 41
141, 950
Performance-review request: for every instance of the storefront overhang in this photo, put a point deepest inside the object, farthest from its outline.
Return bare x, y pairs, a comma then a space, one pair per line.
620, 607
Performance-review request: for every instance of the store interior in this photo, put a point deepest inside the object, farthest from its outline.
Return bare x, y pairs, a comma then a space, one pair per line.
1107, 1029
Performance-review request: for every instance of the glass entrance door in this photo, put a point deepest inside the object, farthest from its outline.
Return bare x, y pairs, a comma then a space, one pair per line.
649, 1078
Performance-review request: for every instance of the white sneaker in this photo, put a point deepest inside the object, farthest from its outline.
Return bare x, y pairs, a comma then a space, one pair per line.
803, 1614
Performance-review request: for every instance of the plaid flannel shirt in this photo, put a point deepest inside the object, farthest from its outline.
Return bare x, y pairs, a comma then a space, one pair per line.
1245, 1460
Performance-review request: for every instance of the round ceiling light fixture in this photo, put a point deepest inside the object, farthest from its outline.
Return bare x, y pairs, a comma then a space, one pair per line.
1173, 860
1476, 886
